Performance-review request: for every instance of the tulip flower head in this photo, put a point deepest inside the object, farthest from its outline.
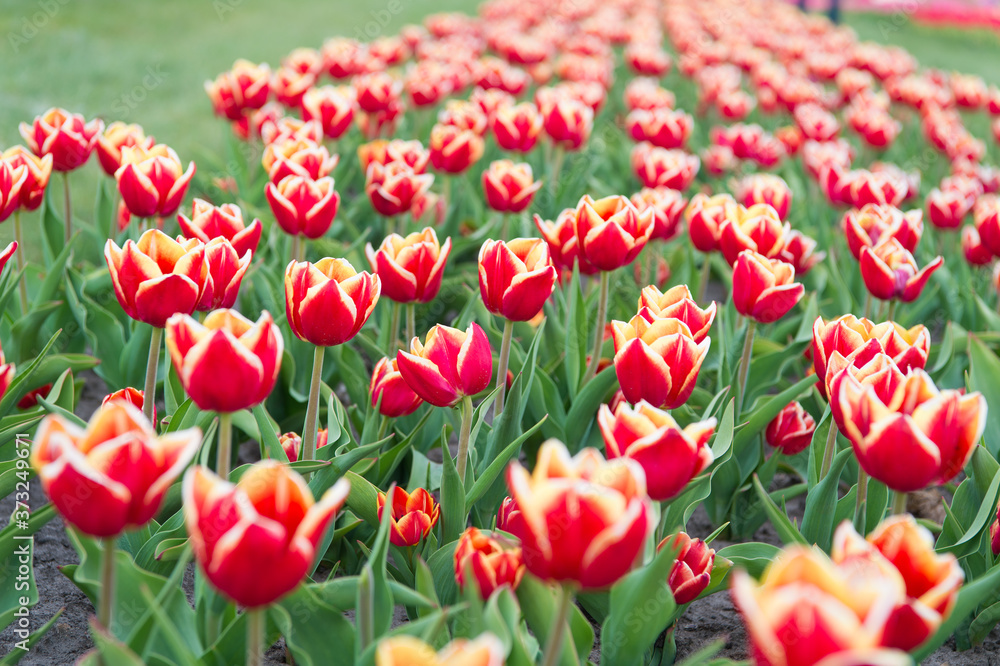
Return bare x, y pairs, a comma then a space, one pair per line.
516, 277
303, 206
453, 149
225, 221
449, 365
116, 136
68, 137
667, 205
791, 430
491, 563
291, 443
32, 190
517, 127
692, 572
611, 232
12, 179
705, 216
243, 88
328, 302
268, 521
227, 363
509, 187
389, 391
485, 650
677, 303
152, 181
890, 271
412, 515
112, 475
764, 289
394, 188
410, 269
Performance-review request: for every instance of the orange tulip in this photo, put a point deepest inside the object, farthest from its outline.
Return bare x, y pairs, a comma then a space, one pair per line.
485, 650
450, 365
151, 180
677, 303
39, 171
116, 136
225, 221
764, 289
509, 187
413, 515
113, 475
935, 431
303, 205
669, 455
328, 302
488, 561
453, 149
890, 271
157, 277
558, 544
268, 521
227, 363
611, 232
657, 361
410, 268
516, 278
66, 136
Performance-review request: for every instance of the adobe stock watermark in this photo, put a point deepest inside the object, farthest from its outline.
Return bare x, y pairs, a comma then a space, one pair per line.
131, 99
28, 27
381, 19
23, 555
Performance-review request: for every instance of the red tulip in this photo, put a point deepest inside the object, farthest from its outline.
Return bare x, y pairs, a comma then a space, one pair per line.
465, 115
413, 515
765, 188
563, 243
665, 128
152, 181
157, 277
947, 208
132, 396
611, 232
791, 430
568, 122
344, 57
453, 150
800, 251
509, 187
225, 273
584, 520
116, 136
663, 167
669, 455
677, 303
268, 521
387, 385
12, 179
410, 269
757, 229
66, 136
297, 158
39, 170
509, 516
291, 443
227, 363
975, 251
328, 302
764, 289
890, 271
332, 107
488, 561
302, 205
245, 87
395, 187
667, 206
692, 572
705, 216
225, 221
934, 431
874, 223
289, 85
450, 365
647, 59
377, 91
657, 361
517, 127
114, 474
516, 277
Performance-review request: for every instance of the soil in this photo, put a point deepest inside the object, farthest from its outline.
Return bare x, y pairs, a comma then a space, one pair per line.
705, 621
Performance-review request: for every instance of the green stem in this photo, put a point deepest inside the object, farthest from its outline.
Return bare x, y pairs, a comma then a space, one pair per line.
553, 647
859, 506
113, 224
149, 389
394, 330
899, 503
558, 156
868, 306
508, 331
829, 451
309, 430
256, 620
224, 454
464, 436
504, 226
446, 195
411, 321
69, 208
745, 364
296, 248
106, 600
706, 275
892, 309
22, 285
602, 316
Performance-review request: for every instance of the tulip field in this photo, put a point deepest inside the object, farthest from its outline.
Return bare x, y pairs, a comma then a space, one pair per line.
555, 332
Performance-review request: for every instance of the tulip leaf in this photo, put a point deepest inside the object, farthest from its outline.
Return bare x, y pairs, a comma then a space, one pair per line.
442, 566
969, 598
22, 382
969, 542
817, 447
311, 626
363, 498
108, 650
984, 623
766, 412
584, 407
491, 473
984, 376
538, 603
787, 531
821, 504
945, 350
575, 342
752, 556
453, 508
642, 606
804, 333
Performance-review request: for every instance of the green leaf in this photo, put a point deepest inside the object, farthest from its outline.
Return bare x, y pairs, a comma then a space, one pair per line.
538, 603
821, 504
575, 342
311, 626
765, 413
491, 473
584, 407
969, 598
752, 556
970, 541
453, 508
984, 376
363, 498
784, 527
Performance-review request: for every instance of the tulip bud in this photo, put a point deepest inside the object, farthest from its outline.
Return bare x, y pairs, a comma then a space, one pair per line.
509, 516
227, 363
291, 443
692, 571
890, 271
112, 475
791, 430
387, 385
509, 187
516, 278
670, 456
486, 559
66, 136
225, 221
157, 277
450, 365
39, 170
410, 269
677, 303
328, 302
7, 372
152, 181
412, 515
268, 521
302, 205
560, 491
658, 361
764, 289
